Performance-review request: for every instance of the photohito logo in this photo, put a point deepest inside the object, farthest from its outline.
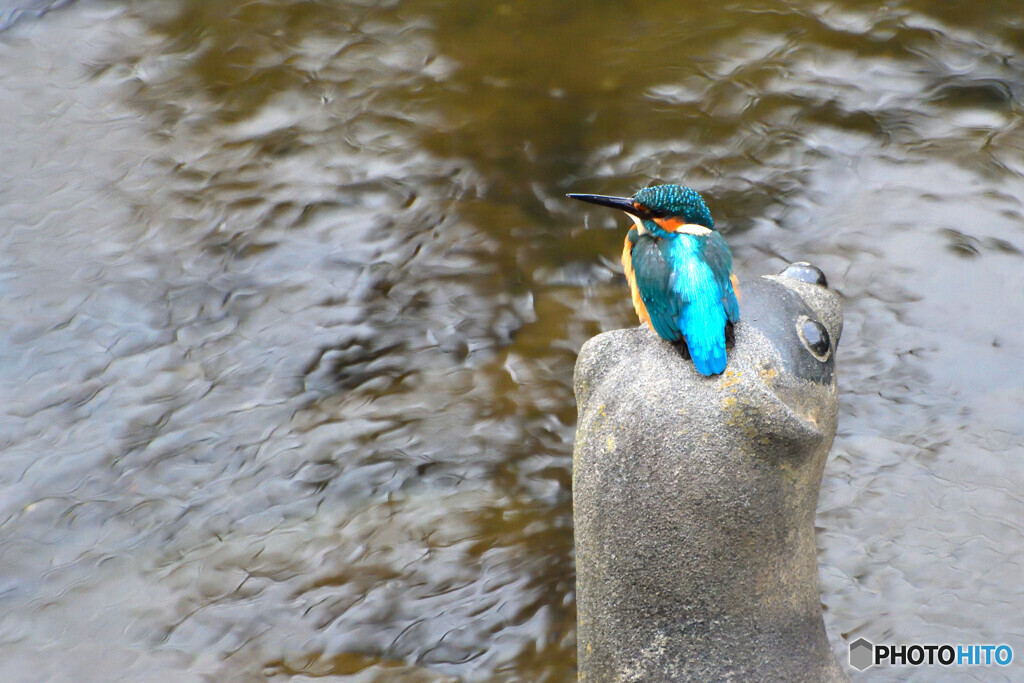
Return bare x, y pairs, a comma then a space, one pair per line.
864, 653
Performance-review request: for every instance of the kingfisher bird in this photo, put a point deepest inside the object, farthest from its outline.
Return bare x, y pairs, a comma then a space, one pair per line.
679, 270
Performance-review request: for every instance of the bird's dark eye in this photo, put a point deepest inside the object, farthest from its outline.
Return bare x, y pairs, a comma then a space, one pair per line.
659, 213
816, 338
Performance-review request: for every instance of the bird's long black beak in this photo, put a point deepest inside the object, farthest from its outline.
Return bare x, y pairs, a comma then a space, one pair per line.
621, 203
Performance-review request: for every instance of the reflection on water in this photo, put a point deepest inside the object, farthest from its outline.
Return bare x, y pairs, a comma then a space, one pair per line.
290, 301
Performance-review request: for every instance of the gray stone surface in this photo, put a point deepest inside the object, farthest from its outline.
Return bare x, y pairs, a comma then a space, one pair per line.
694, 497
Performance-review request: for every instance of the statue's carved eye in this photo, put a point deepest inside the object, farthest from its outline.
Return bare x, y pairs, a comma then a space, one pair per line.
805, 272
815, 337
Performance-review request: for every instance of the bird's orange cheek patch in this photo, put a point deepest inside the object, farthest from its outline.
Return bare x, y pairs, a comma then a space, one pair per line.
670, 224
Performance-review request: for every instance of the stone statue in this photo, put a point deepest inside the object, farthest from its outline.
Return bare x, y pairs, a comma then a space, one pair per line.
694, 496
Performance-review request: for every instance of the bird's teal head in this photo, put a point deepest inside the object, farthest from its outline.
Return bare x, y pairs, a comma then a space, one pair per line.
661, 210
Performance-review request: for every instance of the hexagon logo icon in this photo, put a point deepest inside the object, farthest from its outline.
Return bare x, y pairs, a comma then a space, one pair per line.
862, 654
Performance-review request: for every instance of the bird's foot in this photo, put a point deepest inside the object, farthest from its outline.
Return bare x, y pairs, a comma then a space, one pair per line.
682, 348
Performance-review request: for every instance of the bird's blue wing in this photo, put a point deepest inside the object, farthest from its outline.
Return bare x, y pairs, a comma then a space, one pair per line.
718, 257
654, 282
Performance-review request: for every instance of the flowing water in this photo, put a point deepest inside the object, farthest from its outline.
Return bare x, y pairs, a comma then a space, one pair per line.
290, 301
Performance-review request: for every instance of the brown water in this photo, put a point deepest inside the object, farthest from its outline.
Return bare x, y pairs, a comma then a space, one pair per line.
290, 301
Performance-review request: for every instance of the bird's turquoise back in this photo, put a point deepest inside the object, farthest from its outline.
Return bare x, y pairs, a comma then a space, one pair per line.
702, 318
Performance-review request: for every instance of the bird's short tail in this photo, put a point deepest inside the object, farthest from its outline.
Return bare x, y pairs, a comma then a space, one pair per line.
704, 330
